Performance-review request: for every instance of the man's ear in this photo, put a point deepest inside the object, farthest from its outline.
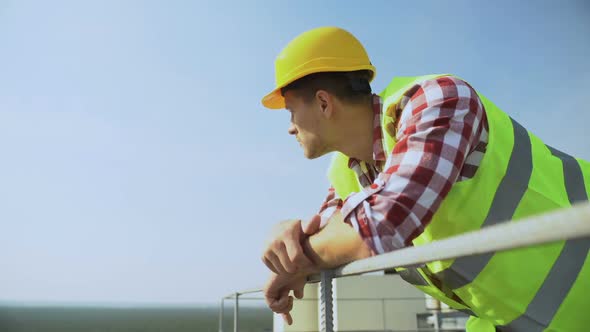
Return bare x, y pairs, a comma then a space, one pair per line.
325, 102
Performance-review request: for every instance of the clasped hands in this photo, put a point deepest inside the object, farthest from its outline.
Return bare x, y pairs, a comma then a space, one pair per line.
285, 256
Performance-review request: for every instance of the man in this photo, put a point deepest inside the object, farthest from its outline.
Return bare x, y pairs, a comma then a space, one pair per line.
426, 159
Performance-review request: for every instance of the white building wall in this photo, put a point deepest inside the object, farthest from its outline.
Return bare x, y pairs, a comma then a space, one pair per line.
369, 302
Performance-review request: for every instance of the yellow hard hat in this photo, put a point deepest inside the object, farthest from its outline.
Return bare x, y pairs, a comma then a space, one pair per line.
325, 49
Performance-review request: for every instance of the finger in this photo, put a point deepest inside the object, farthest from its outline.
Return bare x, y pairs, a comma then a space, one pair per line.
285, 306
287, 314
271, 291
280, 301
268, 264
276, 262
284, 259
297, 256
290, 304
286, 301
313, 225
287, 318
275, 289
298, 290
282, 305
271, 300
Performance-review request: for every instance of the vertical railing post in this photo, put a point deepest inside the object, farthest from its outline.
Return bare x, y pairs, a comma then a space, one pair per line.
326, 302
236, 312
221, 308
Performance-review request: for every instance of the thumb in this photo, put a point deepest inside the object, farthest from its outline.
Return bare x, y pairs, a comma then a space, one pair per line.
298, 291
313, 225
298, 287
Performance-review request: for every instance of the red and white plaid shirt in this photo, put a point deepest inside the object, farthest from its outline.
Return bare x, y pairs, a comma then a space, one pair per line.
441, 134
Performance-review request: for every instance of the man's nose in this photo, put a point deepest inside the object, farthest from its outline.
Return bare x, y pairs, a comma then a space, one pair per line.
292, 130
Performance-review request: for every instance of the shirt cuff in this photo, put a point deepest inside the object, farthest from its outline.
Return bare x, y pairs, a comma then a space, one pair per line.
325, 216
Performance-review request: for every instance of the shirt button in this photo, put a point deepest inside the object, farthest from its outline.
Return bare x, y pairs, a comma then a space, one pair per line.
374, 186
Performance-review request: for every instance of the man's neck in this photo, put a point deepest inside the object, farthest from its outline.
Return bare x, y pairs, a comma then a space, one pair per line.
356, 136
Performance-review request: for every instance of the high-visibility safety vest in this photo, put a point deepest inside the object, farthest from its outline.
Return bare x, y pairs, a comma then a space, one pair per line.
541, 288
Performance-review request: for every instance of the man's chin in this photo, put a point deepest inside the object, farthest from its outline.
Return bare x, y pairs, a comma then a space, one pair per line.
312, 154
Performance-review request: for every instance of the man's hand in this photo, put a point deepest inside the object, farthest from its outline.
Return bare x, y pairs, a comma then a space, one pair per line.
277, 289
284, 253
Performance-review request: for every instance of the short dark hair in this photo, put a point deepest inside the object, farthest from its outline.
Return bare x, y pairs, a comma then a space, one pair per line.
351, 86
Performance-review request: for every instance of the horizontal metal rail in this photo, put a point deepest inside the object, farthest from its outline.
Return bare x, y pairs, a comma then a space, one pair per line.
555, 226
422, 298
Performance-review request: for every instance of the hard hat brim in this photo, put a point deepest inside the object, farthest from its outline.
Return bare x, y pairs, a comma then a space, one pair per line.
274, 100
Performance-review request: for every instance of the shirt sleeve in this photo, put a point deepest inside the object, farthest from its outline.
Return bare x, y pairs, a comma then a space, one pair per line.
440, 123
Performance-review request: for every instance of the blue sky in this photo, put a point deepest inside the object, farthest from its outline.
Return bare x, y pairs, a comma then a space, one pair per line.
139, 166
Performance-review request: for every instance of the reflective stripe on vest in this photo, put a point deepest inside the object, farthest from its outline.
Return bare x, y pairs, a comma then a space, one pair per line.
412, 276
563, 274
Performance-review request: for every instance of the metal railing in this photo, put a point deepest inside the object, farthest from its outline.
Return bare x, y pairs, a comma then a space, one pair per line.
554, 226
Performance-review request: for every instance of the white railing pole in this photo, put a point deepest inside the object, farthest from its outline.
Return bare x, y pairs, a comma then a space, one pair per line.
236, 312
221, 307
436, 321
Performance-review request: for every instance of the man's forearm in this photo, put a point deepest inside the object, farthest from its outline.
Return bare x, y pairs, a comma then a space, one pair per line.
336, 244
